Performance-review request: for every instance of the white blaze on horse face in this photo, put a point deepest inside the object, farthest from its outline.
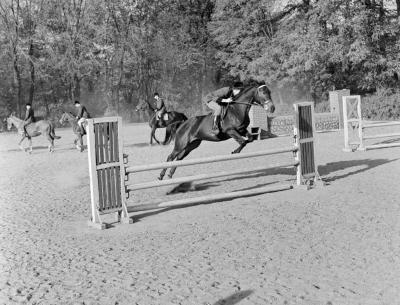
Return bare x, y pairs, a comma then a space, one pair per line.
9, 123
268, 102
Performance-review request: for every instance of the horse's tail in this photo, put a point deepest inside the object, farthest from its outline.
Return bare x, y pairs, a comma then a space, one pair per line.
170, 132
52, 132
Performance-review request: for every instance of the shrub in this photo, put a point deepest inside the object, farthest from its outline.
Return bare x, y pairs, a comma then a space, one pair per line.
382, 105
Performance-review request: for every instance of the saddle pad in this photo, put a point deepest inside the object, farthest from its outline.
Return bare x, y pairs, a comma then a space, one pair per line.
165, 117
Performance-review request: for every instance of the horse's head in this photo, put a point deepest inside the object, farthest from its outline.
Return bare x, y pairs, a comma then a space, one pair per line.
142, 105
263, 98
9, 122
64, 118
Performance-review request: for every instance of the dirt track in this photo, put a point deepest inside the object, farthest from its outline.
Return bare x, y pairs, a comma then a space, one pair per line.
334, 245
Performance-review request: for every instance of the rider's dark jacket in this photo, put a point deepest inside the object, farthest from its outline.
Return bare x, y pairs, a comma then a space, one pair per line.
82, 112
29, 116
160, 105
218, 95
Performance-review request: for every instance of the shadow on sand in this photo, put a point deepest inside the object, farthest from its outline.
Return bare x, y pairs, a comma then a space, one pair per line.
234, 298
326, 171
43, 148
144, 144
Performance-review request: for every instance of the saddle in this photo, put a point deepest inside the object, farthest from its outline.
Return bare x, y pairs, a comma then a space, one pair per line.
165, 117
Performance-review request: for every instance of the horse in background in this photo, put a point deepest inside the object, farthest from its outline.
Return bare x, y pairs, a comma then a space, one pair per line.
171, 121
76, 129
234, 122
42, 127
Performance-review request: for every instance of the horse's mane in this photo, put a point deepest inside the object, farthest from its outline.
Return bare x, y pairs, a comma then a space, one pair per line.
244, 92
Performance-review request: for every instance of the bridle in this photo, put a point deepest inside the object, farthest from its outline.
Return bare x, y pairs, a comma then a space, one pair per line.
252, 99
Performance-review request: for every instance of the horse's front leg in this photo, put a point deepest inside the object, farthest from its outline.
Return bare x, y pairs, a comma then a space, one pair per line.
30, 145
250, 137
20, 142
152, 135
81, 142
78, 138
238, 138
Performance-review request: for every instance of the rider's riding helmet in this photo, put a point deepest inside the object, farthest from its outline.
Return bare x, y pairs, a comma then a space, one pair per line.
156, 94
76, 103
237, 85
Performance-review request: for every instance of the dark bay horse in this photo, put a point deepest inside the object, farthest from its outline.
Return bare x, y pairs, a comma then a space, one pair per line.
171, 122
234, 125
76, 129
42, 127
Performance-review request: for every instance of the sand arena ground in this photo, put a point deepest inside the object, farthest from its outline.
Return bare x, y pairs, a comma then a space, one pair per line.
339, 244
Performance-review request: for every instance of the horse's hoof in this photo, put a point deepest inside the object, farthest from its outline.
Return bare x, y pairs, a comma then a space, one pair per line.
160, 178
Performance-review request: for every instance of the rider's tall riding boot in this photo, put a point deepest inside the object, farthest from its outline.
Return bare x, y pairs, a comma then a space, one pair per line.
25, 132
216, 125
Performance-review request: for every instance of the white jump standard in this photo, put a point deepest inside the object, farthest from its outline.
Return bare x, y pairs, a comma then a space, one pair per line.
352, 115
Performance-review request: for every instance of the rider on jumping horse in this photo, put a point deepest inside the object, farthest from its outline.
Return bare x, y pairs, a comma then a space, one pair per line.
223, 95
29, 117
160, 107
81, 115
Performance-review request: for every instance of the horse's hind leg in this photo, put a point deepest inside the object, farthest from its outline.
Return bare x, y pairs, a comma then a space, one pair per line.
20, 142
51, 140
170, 158
152, 135
191, 146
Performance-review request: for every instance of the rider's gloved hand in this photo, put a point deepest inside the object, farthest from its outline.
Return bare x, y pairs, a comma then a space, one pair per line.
227, 100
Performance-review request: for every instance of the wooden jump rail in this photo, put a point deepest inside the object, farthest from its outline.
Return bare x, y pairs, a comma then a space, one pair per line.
352, 116
145, 168
108, 171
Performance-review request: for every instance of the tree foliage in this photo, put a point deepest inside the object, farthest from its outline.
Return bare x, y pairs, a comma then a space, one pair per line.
113, 53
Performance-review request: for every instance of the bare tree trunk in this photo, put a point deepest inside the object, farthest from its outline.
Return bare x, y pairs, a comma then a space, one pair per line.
32, 73
203, 85
17, 83
120, 78
76, 89
398, 7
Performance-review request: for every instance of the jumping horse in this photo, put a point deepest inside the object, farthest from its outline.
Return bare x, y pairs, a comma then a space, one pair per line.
171, 121
46, 128
76, 129
234, 125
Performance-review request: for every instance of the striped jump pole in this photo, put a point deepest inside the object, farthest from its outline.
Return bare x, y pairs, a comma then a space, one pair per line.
352, 116
105, 168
